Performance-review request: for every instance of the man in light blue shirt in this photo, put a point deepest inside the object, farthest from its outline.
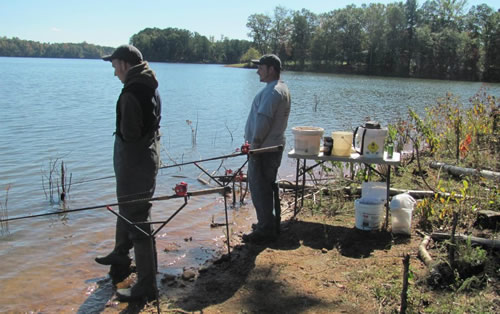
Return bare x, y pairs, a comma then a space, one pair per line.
266, 125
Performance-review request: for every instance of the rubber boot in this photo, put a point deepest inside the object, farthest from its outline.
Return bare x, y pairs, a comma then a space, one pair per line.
145, 288
119, 255
119, 273
123, 243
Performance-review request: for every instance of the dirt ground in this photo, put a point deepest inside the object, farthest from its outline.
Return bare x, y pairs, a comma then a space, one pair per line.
319, 264
314, 267
307, 270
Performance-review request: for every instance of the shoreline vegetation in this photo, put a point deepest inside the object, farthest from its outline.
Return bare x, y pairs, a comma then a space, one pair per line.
438, 39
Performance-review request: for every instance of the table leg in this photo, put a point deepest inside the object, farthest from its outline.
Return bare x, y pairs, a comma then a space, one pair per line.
296, 187
303, 184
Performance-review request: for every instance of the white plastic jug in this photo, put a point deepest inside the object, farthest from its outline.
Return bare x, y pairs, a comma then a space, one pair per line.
342, 142
401, 207
369, 140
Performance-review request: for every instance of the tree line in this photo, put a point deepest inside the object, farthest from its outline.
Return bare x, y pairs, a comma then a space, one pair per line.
436, 40
161, 45
180, 45
15, 47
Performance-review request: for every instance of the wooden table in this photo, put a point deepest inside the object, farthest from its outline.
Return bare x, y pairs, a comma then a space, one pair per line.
354, 158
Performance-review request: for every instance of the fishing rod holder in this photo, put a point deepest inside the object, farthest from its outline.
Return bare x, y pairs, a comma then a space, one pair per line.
180, 192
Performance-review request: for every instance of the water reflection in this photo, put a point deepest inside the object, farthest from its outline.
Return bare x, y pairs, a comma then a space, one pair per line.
100, 292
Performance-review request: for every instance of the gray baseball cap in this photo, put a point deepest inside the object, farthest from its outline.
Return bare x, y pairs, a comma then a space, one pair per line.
269, 59
127, 53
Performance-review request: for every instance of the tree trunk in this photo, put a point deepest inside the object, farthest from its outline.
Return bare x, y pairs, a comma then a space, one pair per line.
466, 171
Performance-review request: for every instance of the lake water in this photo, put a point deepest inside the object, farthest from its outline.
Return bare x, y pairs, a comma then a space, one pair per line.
60, 109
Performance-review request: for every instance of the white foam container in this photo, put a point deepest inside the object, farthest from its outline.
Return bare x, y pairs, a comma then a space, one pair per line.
307, 139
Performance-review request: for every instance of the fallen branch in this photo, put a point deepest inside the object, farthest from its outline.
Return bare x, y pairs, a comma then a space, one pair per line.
423, 253
291, 186
440, 236
414, 193
417, 194
455, 170
177, 311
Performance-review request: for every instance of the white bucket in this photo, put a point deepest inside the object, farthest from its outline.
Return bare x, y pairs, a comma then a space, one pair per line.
368, 216
307, 139
342, 142
373, 192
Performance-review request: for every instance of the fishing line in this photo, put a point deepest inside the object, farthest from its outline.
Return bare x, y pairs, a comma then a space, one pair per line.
254, 151
182, 164
166, 167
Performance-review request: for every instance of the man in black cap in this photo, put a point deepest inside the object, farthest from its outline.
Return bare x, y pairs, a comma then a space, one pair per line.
266, 125
136, 162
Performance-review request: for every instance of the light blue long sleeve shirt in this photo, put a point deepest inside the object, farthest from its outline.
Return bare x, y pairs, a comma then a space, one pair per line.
268, 117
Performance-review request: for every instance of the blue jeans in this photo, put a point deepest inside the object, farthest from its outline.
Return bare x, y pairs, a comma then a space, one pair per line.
262, 172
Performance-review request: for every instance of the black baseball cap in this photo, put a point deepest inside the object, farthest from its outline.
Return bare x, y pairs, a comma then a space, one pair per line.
127, 53
269, 59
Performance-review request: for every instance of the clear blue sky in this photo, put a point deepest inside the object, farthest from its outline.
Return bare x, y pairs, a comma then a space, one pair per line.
113, 22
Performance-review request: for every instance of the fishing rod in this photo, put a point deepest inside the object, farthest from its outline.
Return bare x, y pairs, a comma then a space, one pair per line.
152, 199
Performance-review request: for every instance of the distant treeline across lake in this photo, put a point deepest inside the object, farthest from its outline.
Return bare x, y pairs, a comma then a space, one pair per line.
438, 40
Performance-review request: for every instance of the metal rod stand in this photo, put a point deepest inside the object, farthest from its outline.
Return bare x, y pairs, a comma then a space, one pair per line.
152, 235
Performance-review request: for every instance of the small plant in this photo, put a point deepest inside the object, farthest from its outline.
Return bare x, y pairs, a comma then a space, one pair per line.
425, 211
4, 213
470, 264
473, 256
56, 181
424, 132
229, 130
316, 103
194, 131
494, 198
